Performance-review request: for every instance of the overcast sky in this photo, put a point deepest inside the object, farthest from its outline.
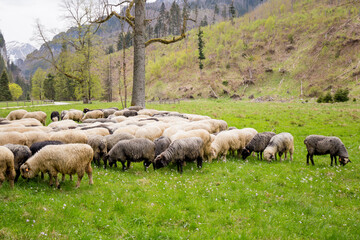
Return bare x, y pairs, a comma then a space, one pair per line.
18, 18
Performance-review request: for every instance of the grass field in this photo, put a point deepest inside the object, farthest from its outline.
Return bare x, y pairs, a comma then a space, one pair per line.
233, 200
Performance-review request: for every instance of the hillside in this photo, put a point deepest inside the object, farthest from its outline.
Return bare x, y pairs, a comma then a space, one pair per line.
269, 52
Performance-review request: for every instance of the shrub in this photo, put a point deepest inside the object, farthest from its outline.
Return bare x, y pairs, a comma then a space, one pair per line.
325, 99
291, 38
341, 95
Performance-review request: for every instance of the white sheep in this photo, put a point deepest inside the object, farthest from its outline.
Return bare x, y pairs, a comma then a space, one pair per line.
279, 144
75, 115
94, 114
16, 114
149, 132
69, 136
39, 115
63, 125
13, 138
65, 159
7, 170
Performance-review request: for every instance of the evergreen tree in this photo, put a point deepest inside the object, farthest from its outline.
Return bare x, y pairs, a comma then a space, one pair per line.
5, 94
224, 13
232, 12
49, 89
201, 45
204, 22
216, 12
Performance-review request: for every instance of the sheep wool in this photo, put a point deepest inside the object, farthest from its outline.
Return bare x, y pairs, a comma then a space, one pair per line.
12, 138
93, 115
279, 144
39, 115
7, 170
21, 155
16, 114
69, 136
65, 159
321, 145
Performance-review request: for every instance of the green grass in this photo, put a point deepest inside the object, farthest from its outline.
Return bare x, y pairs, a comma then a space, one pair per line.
233, 200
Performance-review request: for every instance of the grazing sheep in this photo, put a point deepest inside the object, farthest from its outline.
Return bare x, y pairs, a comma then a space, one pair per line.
69, 136
16, 114
108, 112
99, 120
35, 147
112, 140
28, 122
98, 144
321, 145
131, 129
93, 115
63, 125
21, 154
63, 113
66, 159
39, 115
7, 170
161, 144
280, 143
181, 151
130, 113
12, 138
55, 116
257, 144
132, 150
233, 140
150, 132
96, 131
35, 136
75, 115
135, 108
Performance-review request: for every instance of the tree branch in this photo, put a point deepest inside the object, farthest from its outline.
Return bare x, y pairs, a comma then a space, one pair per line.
113, 13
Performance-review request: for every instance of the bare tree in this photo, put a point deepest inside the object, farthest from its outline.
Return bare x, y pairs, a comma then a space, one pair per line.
138, 23
80, 40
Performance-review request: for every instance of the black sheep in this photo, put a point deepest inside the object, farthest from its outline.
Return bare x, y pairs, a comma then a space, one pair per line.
55, 116
257, 144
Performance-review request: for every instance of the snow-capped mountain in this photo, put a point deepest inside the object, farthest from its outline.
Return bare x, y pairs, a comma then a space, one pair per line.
17, 50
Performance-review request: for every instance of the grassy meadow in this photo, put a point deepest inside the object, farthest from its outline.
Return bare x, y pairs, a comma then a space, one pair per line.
234, 200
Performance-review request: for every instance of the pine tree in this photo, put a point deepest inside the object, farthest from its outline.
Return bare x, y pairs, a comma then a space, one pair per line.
224, 13
201, 45
232, 12
49, 90
5, 94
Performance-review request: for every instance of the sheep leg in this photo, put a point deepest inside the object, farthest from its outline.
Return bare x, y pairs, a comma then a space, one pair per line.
331, 157
105, 162
128, 164
42, 176
199, 161
180, 168
71, 177
285, 156
335, 161
11, 177
63, 178
51, 179
79, 180
307, 158
17, 175
57, 184
312, 159
123, 166
257, 154
88, 171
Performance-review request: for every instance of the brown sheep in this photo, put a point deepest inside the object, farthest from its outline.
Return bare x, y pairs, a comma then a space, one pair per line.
16, 114
7, 170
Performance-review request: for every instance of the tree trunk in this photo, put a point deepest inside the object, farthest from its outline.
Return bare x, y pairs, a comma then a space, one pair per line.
138, 93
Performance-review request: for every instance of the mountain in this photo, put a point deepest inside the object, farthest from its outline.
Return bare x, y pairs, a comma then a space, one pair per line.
17, 50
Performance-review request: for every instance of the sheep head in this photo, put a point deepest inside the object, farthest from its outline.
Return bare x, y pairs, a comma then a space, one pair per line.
268, 156
245, 153
160, 161
344, 160
27, 171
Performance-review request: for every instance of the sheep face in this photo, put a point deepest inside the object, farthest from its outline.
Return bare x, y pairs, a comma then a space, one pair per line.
160, 162
344, 161
269, 156
245, 153
27, 171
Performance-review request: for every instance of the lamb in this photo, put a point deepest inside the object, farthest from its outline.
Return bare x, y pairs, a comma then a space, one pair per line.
55, 116
66, 159
93, 114
133, 150
75, 115
98, 144
21, 154
181, 150
321, 145
39, 115
257, 144
7, 170
16, 114
13, 138
69, 136
280, 143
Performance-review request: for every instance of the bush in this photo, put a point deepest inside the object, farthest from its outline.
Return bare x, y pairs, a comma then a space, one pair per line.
325, 99
341, 95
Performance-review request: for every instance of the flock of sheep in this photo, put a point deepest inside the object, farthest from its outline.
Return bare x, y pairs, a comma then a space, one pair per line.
160, 138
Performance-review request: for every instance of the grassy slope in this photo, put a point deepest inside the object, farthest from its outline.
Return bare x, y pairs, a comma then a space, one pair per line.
236, 199
317, 43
